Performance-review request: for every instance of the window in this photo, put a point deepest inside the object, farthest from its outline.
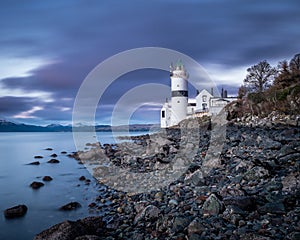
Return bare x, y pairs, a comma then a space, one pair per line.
204, 106
180, 93
163, 114
204, 98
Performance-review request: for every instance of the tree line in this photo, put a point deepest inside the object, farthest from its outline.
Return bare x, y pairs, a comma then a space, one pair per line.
266, 88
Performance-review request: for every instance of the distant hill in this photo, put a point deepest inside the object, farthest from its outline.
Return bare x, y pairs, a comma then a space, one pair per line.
7, 126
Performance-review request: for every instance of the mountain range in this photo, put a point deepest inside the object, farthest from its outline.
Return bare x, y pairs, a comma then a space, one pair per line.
7, 126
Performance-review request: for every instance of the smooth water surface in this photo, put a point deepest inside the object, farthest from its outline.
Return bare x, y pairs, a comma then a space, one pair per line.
19, 149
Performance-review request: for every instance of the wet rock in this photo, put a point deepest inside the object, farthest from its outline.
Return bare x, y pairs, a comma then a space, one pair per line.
36, 185
16, 211
148, 213
63, 152
212, 205
53, 155
47, 178
92, 205
70, 230
49, 149
70, 206
256, 182
38, 156
34, 163
53, 161
82, 178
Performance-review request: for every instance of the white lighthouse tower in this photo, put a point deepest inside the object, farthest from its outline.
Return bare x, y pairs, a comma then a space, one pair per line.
179, 87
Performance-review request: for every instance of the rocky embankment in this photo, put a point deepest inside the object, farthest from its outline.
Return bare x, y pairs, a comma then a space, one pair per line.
251, 191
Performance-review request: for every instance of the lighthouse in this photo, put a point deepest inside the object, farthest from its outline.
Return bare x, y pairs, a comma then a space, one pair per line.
180, 107
179, 88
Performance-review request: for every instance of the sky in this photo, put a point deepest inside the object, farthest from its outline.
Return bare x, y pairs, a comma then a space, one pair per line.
47, 48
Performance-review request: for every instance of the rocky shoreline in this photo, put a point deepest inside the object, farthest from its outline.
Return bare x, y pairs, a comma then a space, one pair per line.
252, 190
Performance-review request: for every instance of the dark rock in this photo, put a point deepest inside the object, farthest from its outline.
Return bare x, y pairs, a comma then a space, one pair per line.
245, 203
34, 163
256, 173
82, 178
88, 237
38, 156
196, 178
70, 206
16, 211
274, 186
92, 205
291, 182
63, 152
49, 149
253, 236
294, 236
256, 182
53, 155
148, 213
70, 230
53, 160
212, 205
195, 237
195, 227
275, 208
179, 224
36, 185
47, 178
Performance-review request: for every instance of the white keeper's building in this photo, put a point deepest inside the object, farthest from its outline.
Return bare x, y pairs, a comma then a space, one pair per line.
180, 107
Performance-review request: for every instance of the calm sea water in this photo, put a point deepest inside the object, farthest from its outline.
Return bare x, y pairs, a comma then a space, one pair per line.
19, 149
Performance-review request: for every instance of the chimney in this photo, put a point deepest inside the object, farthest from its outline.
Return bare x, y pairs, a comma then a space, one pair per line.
225, 94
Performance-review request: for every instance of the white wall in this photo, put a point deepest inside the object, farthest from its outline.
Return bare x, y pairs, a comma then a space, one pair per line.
203, 98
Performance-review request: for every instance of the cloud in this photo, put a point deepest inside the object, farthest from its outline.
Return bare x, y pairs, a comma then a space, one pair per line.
29, 113
19, 67
12, 105
49, 47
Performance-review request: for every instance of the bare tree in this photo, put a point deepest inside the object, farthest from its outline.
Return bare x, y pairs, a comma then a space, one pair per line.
295, 63
260, 76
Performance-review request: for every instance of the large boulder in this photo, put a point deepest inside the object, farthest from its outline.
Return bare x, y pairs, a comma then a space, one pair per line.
36, 185
70, 206
87, 228
53, 160
16, 211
